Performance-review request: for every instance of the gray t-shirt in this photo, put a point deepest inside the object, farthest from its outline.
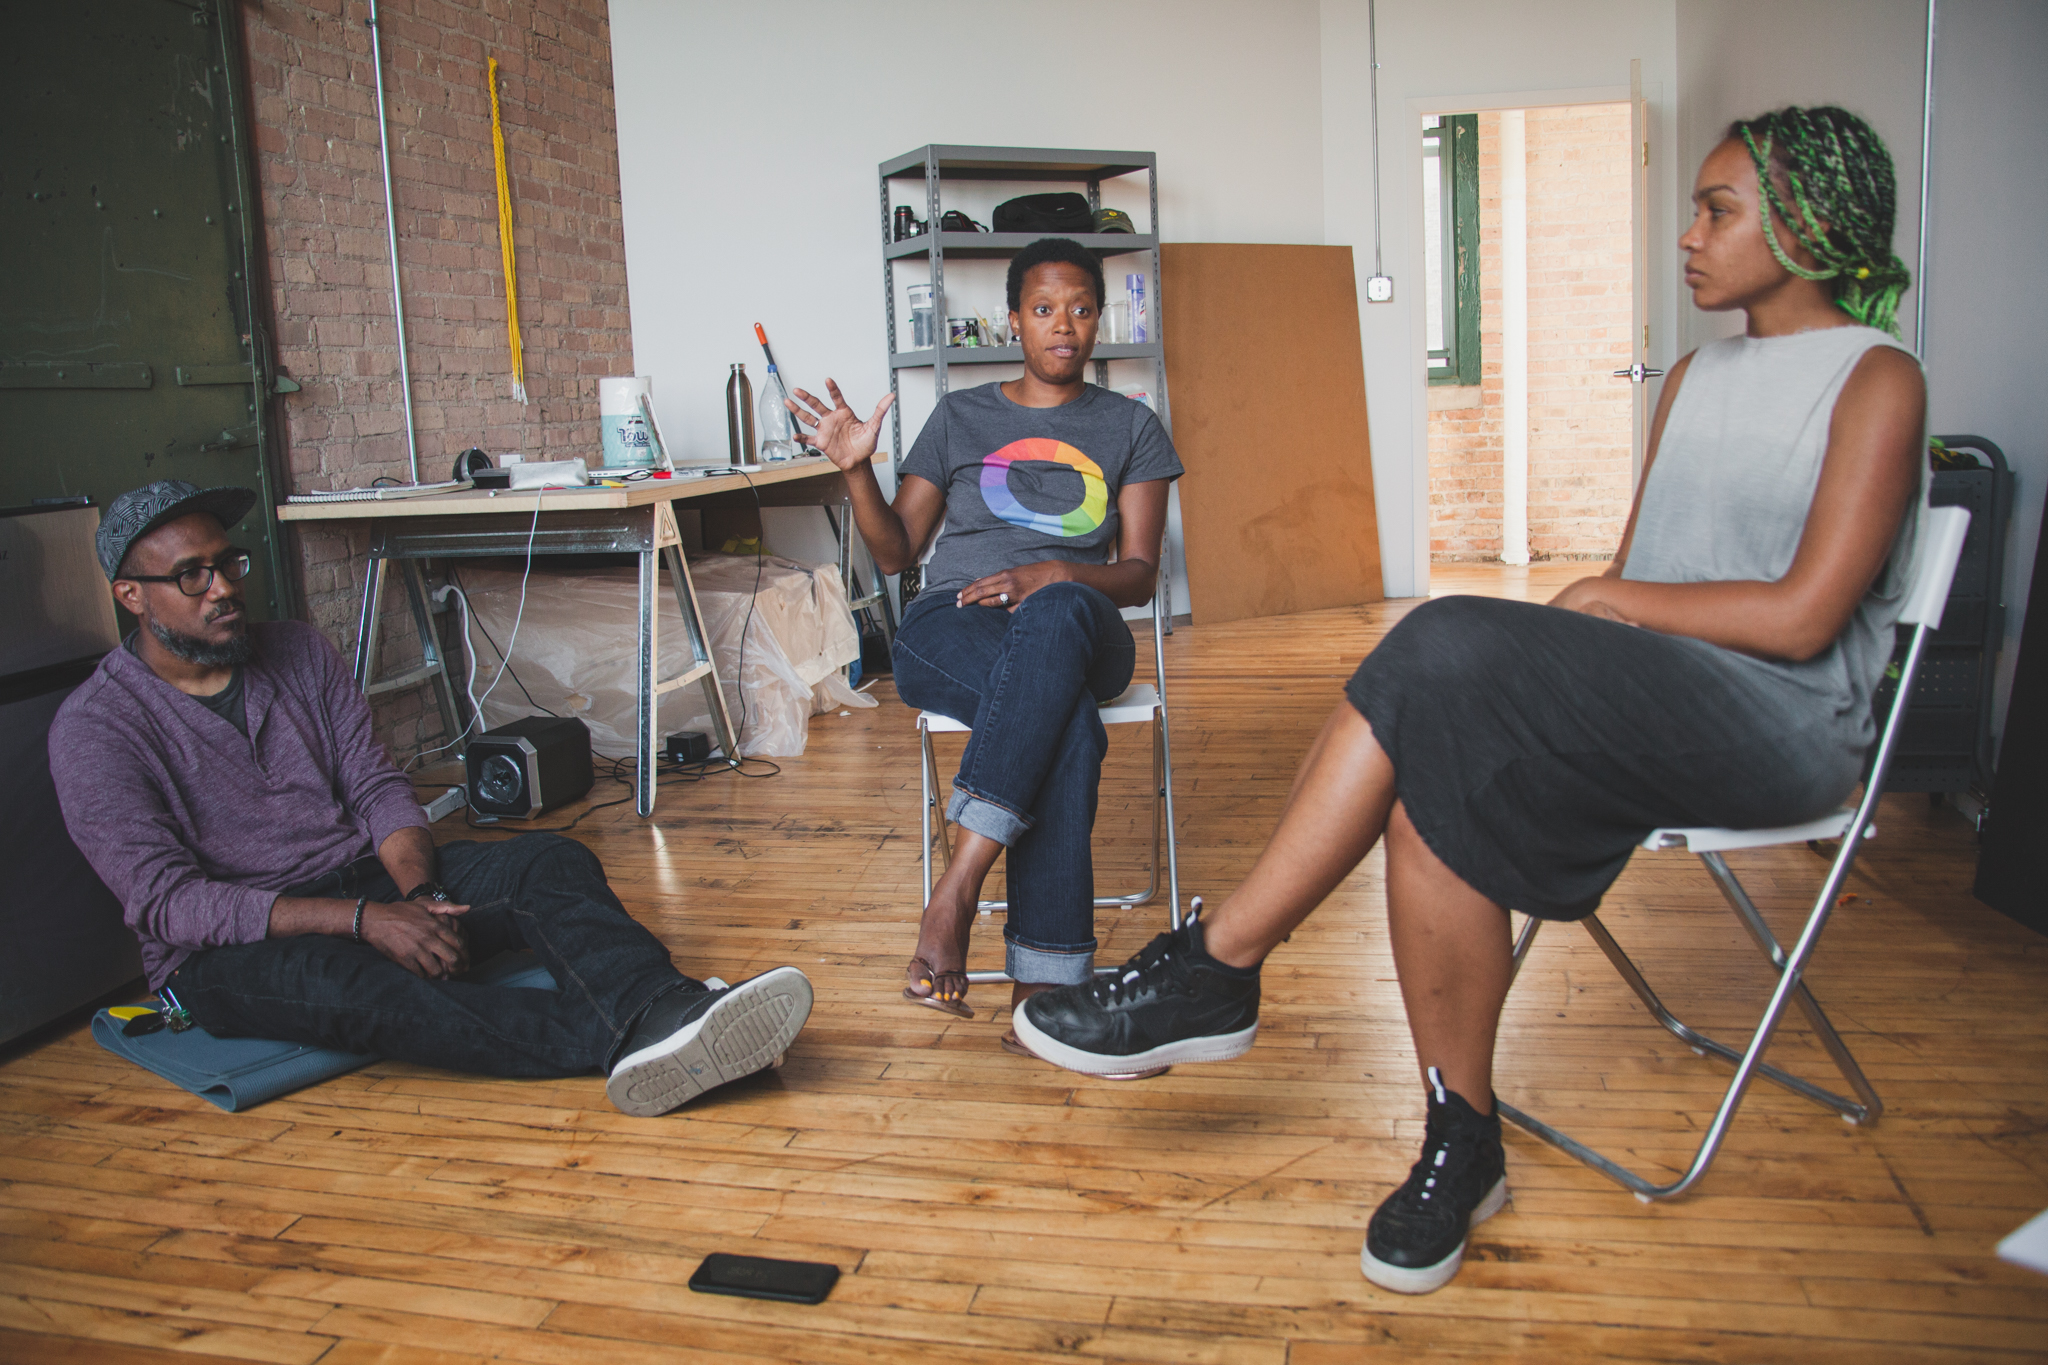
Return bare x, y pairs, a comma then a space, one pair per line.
1029, 484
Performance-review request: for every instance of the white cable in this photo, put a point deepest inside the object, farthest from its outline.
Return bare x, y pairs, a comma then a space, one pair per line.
476, 704
512, 640
1372, 59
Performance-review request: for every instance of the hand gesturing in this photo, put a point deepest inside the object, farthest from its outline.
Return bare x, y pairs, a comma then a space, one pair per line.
846, 440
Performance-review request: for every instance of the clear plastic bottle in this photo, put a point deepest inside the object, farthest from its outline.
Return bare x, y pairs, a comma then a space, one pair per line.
775, 426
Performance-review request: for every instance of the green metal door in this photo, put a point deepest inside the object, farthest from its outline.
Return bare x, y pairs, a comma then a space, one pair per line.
131, 343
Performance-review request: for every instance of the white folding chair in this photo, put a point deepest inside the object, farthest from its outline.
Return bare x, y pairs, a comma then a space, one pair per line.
1139, 702
1941, 544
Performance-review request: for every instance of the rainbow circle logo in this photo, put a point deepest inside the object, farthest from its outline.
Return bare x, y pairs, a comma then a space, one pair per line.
995, 488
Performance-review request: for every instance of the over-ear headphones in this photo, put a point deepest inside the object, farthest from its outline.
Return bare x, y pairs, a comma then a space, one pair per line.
469, 462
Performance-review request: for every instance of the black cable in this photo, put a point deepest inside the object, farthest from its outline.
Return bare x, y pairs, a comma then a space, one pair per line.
740, 669
455, 577
679, 774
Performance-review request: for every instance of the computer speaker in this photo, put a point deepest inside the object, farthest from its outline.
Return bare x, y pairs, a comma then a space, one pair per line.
529, 766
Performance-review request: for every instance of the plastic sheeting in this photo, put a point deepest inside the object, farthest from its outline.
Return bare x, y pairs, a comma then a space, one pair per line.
578, 649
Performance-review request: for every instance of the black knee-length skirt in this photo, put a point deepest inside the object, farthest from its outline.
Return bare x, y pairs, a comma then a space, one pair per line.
1534, 748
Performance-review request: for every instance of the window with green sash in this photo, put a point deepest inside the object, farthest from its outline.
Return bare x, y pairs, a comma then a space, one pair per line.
1450, 234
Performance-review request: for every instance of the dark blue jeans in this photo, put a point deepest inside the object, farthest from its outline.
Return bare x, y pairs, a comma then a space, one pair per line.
537, 891
1028, 682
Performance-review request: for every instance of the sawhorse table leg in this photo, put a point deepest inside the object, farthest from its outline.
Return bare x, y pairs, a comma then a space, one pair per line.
433, 665
665, 543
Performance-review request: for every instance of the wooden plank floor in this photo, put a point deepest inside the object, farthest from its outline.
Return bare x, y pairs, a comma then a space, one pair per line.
986, 1208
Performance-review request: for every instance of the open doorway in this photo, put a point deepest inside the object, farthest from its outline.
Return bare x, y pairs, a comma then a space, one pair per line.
1530, 434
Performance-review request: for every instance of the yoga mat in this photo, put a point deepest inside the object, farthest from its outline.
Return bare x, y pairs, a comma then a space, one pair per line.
236, 1073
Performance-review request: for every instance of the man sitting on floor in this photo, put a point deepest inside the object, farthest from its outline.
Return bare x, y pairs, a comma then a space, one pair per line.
223, 780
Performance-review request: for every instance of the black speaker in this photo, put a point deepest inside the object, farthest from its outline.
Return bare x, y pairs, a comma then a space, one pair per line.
530, 766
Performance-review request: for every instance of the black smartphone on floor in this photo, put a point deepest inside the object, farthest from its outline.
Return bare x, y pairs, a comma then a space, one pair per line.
759, 1277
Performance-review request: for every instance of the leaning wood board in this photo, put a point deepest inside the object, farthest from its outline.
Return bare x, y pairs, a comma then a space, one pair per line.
1268, 384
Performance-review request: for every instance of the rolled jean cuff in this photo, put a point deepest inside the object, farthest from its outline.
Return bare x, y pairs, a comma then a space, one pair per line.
986, 818
1041, 966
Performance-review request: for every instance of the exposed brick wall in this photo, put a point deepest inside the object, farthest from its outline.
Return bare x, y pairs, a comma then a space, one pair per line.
314, 104
1580, 311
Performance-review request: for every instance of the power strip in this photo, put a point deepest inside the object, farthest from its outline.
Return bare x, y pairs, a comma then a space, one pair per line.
444, 805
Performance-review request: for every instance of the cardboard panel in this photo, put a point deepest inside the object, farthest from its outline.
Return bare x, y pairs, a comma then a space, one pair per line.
1267, 384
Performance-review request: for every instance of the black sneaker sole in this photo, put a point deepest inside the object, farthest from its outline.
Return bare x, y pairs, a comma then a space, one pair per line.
1214, 1047
744, 1031
1422, 1279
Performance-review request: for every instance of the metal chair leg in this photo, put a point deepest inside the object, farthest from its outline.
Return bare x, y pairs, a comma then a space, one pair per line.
1749, 1062
1745, 909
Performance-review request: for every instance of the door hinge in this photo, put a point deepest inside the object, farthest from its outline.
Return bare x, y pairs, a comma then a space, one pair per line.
194, 375
1646, 153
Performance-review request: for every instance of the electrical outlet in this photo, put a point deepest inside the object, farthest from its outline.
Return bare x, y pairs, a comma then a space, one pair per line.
1379, 289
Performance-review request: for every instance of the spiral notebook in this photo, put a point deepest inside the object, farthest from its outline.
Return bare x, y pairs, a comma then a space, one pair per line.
387, 493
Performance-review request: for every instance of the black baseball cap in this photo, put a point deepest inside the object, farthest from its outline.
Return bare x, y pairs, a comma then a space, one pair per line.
135, 514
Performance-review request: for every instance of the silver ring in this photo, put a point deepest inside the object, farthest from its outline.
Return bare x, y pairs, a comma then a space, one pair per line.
1003, 598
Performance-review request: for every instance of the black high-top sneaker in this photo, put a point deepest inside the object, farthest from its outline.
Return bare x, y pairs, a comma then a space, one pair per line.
1171, 1003
690, 1041
1417, 1237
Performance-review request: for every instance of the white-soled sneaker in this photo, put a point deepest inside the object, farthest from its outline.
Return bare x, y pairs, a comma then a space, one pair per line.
1416, 1239
691, 1041
1170, 1004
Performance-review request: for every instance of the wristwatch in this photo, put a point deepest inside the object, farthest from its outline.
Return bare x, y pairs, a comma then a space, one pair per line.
431, 890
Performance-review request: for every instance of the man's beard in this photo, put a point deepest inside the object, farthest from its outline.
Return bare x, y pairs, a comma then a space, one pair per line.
231, 653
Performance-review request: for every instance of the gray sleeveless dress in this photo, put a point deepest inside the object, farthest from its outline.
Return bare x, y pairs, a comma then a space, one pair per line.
1534, 748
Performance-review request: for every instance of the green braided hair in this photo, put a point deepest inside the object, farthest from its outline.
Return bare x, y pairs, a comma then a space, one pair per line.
1834, 168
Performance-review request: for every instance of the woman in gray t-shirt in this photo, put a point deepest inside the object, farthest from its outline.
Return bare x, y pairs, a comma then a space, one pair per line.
1719, 674
1031, 487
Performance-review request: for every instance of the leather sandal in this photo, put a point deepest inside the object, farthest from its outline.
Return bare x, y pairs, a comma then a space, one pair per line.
957, 1008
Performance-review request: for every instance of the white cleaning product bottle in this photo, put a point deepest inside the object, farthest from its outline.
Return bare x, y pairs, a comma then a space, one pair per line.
776, 427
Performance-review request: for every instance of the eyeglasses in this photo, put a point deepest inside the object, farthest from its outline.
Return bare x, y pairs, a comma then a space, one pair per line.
197, 580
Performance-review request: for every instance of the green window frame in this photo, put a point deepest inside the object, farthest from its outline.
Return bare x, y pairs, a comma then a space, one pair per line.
1456, 295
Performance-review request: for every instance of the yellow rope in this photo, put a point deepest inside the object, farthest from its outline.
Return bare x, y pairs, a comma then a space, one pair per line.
505, 242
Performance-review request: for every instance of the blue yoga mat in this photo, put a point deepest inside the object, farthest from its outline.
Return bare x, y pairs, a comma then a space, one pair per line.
236, 1073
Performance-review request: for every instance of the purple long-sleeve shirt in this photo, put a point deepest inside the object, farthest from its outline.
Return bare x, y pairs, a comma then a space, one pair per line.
197, 829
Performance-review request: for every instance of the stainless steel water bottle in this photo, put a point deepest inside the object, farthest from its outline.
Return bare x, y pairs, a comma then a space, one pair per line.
739, 416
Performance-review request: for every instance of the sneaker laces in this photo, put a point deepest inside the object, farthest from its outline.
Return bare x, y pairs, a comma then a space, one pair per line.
1429, 1177
1161, 958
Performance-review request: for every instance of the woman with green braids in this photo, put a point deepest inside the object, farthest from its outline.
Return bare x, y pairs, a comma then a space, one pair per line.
1514, 755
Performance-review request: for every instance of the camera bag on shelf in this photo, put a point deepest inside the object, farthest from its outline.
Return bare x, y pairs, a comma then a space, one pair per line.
1064, 211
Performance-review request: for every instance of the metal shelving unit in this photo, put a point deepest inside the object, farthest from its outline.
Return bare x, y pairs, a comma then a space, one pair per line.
937, 164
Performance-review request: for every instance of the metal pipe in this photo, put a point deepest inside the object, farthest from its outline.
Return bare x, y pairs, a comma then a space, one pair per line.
1372, 63
1926, 162
1514, 365
412, 444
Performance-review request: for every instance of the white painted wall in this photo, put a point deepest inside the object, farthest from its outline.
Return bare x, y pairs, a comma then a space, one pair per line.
1985, 294
1479, 54
749, 137
1987, 197
1742, 57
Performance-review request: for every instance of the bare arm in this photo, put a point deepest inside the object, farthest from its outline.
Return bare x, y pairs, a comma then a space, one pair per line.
423, 940
1870, 471
1130, 582
895, 533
